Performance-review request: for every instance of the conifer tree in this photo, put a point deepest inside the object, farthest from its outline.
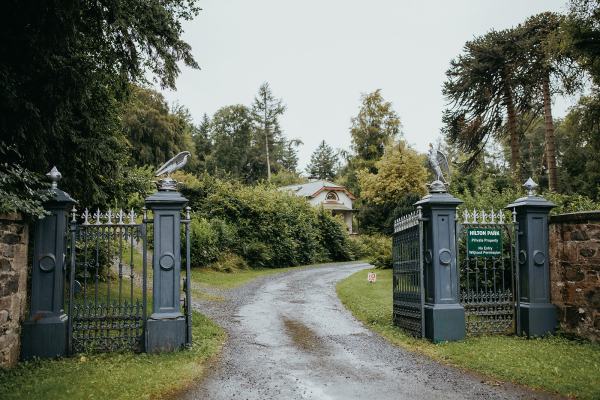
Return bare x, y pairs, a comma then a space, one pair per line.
323, 163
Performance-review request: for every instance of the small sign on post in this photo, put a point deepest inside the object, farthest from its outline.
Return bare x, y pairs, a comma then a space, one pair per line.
372, 277
484, 242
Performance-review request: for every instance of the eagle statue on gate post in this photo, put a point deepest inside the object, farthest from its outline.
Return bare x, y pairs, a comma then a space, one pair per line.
168, 167
439, 164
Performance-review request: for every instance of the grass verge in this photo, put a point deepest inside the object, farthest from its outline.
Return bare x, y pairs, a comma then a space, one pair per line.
555, 364
115, 375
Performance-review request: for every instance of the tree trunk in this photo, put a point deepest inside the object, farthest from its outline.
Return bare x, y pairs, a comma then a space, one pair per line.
512, 131
267, 141
550, 139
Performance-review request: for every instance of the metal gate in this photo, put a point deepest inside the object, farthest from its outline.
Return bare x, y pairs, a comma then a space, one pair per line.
487, 249
408, 286
107, 307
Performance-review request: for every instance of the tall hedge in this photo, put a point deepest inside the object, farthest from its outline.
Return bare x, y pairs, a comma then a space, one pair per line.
262, 225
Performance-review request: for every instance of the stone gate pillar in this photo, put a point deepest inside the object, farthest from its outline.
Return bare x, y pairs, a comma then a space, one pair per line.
444, 315
45, 331
537, 314
166, 329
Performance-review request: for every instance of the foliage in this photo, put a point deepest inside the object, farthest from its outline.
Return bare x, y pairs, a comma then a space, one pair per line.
481, 90
65, 69
399, 171
231, 136
21, 190
323, 163
554, 364
376, 249
580, 149
490, 189
333, 236
582, 35
374, 127
285, 178
154, 133
264, 226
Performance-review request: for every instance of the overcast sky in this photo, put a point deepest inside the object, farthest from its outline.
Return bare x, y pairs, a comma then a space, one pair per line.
320, 55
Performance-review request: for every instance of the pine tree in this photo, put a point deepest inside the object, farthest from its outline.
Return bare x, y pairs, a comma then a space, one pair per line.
323, 163
266, 110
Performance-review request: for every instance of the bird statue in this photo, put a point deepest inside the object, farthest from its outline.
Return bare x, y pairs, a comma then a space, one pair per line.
440, 167
170, 166
174, 164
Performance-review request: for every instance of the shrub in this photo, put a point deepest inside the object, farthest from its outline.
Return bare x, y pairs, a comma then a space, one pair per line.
229, 262
264, 226
376, 249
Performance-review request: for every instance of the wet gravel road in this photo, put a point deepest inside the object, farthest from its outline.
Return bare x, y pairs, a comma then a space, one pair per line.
291, 338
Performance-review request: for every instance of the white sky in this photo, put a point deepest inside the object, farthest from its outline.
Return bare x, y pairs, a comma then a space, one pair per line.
320, 55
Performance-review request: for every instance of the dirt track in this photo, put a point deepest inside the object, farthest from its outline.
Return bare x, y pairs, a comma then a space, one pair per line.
291, 338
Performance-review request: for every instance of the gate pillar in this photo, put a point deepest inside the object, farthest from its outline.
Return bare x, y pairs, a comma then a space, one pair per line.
166, 329
537, 314
444, 315
45, 331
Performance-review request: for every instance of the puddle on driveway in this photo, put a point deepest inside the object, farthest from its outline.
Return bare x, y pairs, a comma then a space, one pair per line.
303, 337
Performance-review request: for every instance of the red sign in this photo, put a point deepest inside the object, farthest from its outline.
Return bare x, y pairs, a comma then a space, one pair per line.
372, 277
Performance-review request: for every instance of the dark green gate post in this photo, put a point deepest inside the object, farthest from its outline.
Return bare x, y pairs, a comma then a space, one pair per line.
444, 315
165, 329
45, 331
537, 314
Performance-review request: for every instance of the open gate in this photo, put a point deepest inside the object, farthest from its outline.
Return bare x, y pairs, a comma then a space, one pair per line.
408, 285
107, 282
488, 268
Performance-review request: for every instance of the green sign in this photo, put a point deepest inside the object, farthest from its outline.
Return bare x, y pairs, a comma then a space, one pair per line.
484, 242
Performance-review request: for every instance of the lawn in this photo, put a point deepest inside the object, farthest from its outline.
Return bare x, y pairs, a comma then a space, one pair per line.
115, 375
556, 364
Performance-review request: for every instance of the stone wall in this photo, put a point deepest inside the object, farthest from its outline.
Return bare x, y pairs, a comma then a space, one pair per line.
14, 237
575, 272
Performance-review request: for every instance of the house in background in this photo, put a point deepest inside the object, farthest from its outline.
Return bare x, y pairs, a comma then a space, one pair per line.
327, 194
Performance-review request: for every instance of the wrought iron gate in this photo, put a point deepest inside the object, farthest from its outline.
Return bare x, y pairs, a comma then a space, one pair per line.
487, 249
107, 309
408, 285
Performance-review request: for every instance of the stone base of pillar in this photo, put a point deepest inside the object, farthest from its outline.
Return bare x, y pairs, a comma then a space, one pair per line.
538, 319
44, 338
444, 322
165, 335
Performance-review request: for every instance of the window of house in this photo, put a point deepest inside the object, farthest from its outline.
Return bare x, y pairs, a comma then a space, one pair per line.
332, 196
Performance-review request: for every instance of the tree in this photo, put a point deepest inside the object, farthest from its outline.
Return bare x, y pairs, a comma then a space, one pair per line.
202, 143
288, 157
582, 35
155, 134
266, 111
323, 163
375, 126
400, 172
66, 66
231, 134
481, 91
581, 147
544, 64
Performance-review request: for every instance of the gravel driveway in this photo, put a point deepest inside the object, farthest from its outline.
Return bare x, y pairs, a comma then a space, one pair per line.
291, 338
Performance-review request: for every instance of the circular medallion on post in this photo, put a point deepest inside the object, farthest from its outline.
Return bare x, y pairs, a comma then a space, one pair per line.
427, 257
522, 257
445, 256
166, 261
47, 262
539, 258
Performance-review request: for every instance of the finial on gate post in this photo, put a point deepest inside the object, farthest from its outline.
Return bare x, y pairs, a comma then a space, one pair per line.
54, 176
531, 186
